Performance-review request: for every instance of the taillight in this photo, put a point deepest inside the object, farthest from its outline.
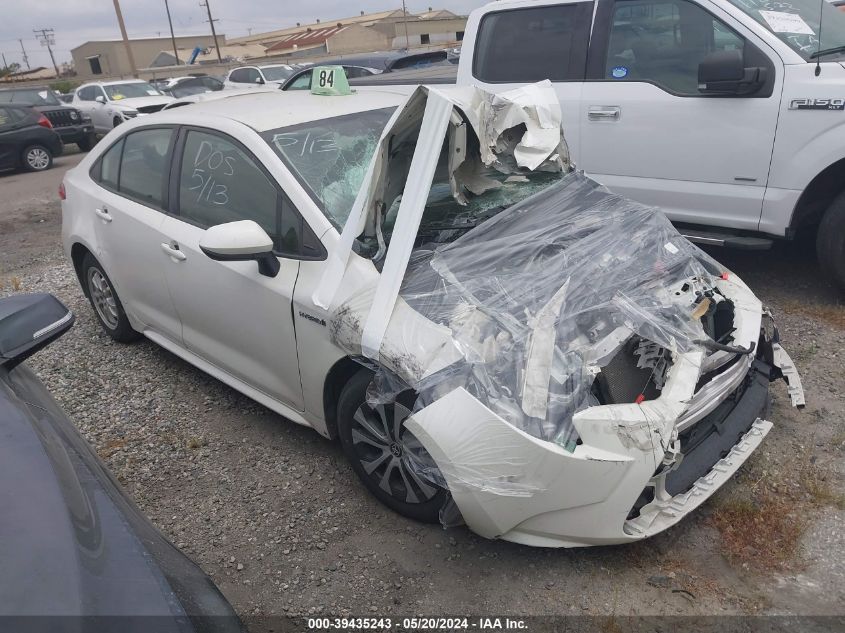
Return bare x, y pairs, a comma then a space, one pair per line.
62, 194
43, 121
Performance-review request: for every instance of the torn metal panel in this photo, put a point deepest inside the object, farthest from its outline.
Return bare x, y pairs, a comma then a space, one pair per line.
790, 375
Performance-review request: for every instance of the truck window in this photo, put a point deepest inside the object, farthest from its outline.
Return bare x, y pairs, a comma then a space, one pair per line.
521, 45
663, 42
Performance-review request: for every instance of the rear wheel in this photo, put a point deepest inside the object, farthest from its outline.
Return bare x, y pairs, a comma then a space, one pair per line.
830, 241
106, 303
37, 158
385, 455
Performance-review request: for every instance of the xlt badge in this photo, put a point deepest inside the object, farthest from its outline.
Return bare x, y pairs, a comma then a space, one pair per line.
817, 104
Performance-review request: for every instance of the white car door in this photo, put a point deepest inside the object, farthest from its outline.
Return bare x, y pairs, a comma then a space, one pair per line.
513, 47
648, 133
100, 115
233, 317
126, 206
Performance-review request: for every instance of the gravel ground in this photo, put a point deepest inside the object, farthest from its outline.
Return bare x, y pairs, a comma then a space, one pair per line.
275, 515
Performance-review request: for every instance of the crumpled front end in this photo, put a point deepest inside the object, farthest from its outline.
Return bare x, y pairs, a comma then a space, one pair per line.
583, 373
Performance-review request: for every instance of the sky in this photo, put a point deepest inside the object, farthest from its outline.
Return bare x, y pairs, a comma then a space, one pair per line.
77, 21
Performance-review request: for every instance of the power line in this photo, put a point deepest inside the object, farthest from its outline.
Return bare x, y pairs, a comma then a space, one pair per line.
47, 38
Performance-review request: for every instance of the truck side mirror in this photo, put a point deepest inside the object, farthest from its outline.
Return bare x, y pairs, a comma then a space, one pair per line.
724, 73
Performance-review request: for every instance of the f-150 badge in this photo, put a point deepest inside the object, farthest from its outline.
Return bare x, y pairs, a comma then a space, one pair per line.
817, 104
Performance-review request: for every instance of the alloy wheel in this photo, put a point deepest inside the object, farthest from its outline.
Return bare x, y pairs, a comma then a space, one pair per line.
102, 297
390, 454
38, 158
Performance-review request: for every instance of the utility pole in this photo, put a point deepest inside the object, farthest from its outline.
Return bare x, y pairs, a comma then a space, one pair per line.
213, 32
125, 39
47, 38
25, 58
172, 36
405, 21
5, 65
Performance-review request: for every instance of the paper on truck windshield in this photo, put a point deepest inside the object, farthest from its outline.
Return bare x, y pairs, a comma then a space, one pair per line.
782, 22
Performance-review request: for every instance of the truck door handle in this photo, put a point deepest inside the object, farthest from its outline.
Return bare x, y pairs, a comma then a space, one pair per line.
172, 249
604, 113
103, 214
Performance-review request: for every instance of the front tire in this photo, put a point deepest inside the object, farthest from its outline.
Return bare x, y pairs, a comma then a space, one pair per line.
37, 158
830, 241
116, 121
107, 306
384, 454
86, 144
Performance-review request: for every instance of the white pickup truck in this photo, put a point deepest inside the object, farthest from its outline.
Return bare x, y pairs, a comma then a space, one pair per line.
727, 114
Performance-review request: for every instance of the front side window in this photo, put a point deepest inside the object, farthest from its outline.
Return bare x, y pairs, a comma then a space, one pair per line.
522, 45
219, 183
86, 93
239, 75
330, 157
302, 82
797, 23
663, 42
6, 119
144, 165
116, 92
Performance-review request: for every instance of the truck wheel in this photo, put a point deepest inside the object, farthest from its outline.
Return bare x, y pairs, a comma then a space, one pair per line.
37, 158
106, 303
384, 454
830, 241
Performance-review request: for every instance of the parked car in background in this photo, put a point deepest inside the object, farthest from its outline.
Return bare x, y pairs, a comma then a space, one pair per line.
74, 544
301, 79
186, 86
727, 114
110, 103
489, 333
27, 138
258, 75
71, 124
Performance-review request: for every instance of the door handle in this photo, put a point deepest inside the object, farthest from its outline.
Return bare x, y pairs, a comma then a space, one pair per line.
604, 113
103, 214
172, 249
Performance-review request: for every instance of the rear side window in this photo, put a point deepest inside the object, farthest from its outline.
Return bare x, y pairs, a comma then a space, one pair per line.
144, 165
522, 45
110, 166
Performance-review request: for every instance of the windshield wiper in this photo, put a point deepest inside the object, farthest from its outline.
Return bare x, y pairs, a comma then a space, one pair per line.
828, 51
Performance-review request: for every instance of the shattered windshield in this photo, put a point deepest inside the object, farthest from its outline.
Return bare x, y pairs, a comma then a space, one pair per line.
330, 157
796, 22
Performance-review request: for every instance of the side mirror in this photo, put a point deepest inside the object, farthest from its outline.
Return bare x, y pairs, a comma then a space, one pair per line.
723, 73
100, 99
259, 80
28, 322
241, 241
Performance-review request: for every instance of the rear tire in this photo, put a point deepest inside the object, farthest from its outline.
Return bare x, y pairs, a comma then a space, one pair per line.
37, 158
381, 451
830, 241
107, 306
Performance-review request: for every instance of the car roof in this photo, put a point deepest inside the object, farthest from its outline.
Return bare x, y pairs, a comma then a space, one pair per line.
116, 82
271, 110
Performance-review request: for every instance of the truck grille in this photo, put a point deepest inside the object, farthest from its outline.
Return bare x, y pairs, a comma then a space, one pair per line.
62, 118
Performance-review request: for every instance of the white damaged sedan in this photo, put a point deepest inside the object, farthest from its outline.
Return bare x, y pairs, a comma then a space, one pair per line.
494, 338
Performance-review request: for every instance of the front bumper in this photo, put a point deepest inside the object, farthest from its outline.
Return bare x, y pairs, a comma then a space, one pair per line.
634, 474
75, 133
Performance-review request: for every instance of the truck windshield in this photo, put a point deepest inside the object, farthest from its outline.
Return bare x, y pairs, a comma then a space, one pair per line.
330, 157
797, 23
30, 96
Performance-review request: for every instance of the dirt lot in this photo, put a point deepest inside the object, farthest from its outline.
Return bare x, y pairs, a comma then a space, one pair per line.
274, 514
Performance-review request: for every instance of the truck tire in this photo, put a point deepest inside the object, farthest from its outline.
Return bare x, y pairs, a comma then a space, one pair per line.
378, 446
830, 241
